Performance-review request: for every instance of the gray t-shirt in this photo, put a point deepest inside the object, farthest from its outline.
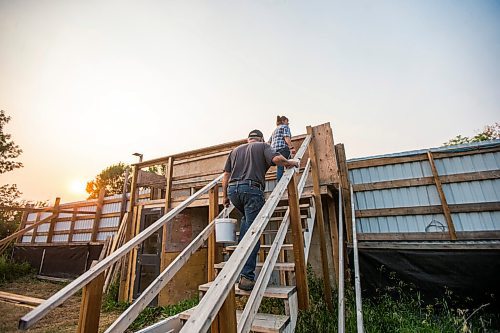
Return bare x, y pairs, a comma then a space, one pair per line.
250, 161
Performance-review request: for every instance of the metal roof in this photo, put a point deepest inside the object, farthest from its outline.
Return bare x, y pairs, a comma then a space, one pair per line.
480, 191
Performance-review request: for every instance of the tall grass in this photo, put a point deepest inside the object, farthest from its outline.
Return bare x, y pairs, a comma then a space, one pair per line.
397, 308
10, 270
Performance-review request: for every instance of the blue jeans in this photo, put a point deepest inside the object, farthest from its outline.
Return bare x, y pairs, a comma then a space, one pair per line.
280, 169
248, 200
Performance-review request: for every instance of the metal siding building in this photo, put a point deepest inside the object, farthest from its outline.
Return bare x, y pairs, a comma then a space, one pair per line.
457, 193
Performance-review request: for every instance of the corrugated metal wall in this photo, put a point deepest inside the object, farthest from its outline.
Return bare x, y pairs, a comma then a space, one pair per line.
470, 192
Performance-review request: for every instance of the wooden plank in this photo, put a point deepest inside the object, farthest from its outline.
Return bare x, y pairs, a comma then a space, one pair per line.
72, 225
319, 216
24, 219
298, 246
326, 161
98, 213
133, 253
381, 161
213, 211
34, 227
32, 317
164, 261
410, 236
423, 181
345, 185
90, 308
281, 292
442, 197
427, 210
15, 298
437, 245
52, 220
334, 235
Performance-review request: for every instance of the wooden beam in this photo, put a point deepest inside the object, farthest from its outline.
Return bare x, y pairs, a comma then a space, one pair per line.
72, 225
24, 219
427, 210
345, 185
169, 172
15, 298
227, 314
320, 219
334, 235
213, 211
381, 161
134, 253
442, 197
424, 236
52, 220
90, 308
423, 181
98, 213
298, 245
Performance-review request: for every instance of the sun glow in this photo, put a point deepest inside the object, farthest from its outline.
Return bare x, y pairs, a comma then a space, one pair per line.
77, 187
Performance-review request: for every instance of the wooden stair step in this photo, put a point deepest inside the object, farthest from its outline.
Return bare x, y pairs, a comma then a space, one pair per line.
279, 219
272, 231
262, 246
263, 322
280, 266
284, 208
282, 292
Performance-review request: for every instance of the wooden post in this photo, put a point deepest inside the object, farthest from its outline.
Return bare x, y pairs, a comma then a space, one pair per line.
320, 219
72, 225
98, 213
33, 235
169, 173
24, 218
227, 314
133, 255
90, 308
334, 234
52, 221
213, 211
344, 184
123, 206
444, 203
129, 234
298, 245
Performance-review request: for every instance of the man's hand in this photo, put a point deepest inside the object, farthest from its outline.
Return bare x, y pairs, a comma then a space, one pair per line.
226, 201
292, 164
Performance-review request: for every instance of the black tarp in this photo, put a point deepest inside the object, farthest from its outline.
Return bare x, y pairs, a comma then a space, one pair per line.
59, 261
467, 273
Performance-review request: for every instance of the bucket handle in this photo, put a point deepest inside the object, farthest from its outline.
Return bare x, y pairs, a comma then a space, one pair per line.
225, 213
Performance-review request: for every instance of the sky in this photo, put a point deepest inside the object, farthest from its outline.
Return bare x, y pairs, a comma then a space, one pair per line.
89, 83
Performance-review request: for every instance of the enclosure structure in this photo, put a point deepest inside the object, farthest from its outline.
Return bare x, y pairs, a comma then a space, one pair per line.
67, 243
432, 216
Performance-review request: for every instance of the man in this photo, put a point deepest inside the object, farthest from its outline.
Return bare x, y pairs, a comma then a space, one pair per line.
243, 183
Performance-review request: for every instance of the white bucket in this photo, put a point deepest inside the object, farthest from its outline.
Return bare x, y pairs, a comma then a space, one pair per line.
225, 230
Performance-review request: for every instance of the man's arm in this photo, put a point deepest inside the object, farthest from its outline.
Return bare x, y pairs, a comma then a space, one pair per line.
225, 181
280, 160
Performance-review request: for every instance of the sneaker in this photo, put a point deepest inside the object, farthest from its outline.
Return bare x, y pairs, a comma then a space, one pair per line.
246, 284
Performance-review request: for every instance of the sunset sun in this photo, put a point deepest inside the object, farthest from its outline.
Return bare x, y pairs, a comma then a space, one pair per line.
77, 186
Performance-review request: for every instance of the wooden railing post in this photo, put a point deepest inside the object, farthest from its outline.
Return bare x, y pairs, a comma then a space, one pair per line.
53, 220
442, 197
227, 314
90, 308
344, 184
213, 211
334, 234
98, 213
169, 173
320, 220
298, 245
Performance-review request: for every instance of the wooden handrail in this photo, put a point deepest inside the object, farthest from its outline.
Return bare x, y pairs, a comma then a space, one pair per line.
58, 298
129, 315
253, 303
211, 303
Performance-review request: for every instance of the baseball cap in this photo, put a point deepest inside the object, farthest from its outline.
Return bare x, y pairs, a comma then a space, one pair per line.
255, 134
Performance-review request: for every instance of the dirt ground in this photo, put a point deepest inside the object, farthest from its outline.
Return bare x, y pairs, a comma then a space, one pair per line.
64, 319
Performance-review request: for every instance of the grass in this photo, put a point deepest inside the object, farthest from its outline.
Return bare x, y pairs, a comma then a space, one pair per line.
10, 270
398, 308
149, 315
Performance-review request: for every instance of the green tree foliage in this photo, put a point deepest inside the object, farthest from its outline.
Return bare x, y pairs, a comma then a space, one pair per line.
111, 179
9, 194
490, 132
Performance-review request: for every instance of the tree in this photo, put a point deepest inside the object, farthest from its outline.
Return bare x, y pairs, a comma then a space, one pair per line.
490, 132
9, 194
111, 179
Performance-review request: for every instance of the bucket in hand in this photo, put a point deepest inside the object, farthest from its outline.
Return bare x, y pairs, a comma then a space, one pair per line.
225, 230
